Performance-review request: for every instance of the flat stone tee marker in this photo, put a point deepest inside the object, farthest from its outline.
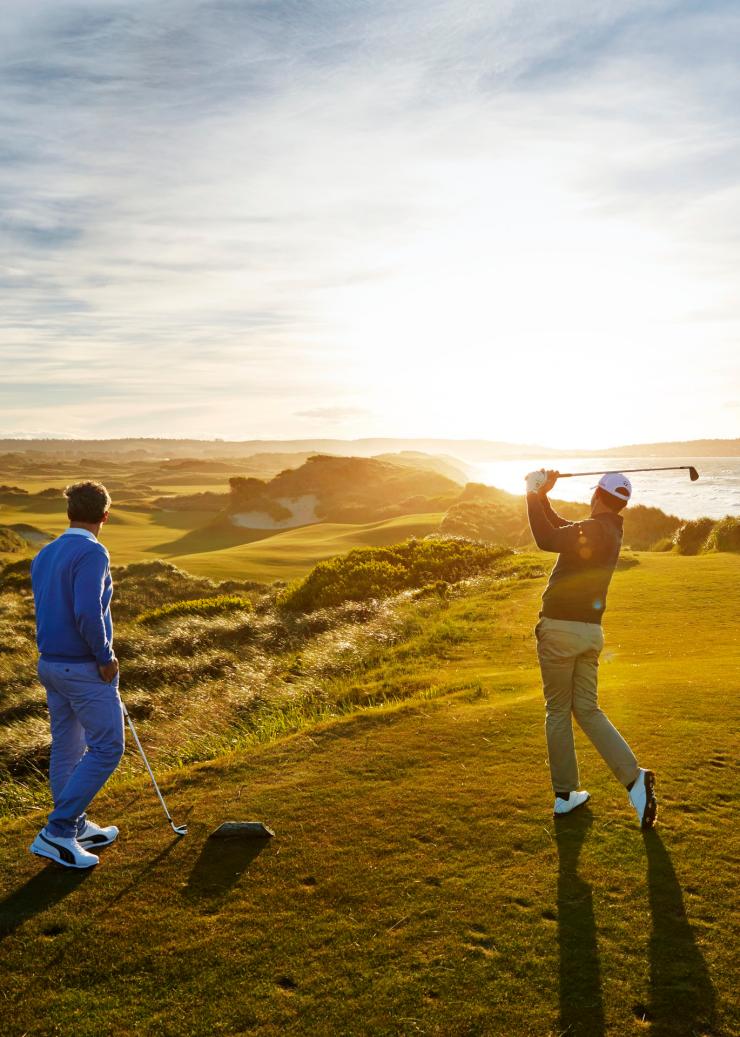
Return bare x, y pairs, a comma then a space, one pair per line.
242, 829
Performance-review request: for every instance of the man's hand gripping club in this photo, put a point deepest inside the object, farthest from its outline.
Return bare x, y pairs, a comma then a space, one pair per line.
541, 481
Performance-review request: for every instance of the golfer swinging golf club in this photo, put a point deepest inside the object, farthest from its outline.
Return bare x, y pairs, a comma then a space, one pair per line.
72, 591
570, 638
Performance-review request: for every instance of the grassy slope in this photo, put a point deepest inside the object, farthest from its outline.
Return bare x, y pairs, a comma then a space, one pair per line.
418, 884
292, 552
186, 539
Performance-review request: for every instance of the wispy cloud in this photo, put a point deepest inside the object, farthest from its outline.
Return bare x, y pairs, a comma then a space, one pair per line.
214, 212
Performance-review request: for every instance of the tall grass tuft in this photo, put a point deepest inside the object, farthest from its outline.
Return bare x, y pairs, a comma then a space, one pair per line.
691, 536
725, 536
196, 607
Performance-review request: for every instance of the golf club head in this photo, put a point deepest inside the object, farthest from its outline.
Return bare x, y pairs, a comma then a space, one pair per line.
693, 474
179, 829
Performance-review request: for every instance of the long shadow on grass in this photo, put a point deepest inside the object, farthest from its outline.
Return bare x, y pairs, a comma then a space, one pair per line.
581, 1008
682, 999
219, 867
41, 892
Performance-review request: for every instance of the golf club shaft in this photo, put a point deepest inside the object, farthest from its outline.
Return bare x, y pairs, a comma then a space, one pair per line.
670, 468
146, 764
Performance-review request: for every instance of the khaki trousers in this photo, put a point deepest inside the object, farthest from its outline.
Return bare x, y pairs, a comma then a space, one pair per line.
569, 659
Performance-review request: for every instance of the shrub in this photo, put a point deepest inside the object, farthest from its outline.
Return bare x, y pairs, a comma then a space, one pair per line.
664, 544
10, 541
486, 520
644, 526
16, 575
725, 536
690, 536
196, 607
143, 586
375, 572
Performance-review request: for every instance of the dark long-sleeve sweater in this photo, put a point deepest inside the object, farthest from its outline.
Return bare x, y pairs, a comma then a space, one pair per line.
72, 590
588, 553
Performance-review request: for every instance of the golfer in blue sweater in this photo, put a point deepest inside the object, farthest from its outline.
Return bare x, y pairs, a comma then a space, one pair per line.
72, 589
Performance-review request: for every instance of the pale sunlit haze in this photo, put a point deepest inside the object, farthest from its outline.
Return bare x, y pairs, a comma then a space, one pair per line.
515, 221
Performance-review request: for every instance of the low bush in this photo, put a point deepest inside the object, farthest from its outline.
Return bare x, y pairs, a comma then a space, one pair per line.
375, 572
691, 536
16, 575
664, 544
144, 586
486, 520
644, 526
725, 536
196, 607
10, 541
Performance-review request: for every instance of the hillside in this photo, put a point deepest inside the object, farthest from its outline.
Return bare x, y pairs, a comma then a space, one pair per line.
417, 883
339, 489
688, 449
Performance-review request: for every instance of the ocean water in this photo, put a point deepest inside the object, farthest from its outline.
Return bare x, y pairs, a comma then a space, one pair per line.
715, 494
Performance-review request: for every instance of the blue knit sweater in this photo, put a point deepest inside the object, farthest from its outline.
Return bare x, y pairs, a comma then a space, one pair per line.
72, 589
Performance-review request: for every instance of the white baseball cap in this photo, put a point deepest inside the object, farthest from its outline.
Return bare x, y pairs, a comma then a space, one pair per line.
617, 484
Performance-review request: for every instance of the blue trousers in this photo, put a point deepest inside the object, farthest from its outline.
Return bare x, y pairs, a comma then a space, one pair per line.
87, 739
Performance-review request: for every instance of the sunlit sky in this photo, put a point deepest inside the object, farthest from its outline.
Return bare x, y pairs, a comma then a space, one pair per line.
507, 220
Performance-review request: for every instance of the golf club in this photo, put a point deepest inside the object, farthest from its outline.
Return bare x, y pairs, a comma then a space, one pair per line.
177, 829
693, 474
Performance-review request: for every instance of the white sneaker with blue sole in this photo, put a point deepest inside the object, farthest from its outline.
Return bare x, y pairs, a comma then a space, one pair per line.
66, 852
93, 837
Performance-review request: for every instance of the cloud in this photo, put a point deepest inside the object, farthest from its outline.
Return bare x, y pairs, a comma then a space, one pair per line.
331, 414
238, 208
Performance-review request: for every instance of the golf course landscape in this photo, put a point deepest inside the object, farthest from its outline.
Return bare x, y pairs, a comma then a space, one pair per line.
370, 690
358, 360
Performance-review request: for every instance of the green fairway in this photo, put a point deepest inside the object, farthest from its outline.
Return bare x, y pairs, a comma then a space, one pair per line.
418, 883
291, 552
196, 541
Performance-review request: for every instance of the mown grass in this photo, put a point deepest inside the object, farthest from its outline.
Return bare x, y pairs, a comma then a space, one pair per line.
191, 540
418, 883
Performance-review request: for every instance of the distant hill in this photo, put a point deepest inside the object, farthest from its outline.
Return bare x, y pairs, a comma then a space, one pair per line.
686, 448
452, 467
338, 489
471, 450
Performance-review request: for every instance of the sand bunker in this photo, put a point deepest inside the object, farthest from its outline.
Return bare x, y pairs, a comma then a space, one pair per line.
303, 512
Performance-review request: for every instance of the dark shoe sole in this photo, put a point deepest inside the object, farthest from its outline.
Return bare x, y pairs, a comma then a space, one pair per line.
650, 812
64, 864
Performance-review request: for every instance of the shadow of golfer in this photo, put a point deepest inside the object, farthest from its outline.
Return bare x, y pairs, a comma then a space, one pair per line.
47, 888
220, 865
682, 999
581, 1008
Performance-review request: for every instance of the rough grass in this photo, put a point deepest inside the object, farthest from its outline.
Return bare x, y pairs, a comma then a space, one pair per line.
202, 674
418, 884
196, 607
373, 572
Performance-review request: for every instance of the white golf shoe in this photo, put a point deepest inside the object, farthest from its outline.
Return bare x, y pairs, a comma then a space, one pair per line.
642, 798
67, 852
575, 799
94, 837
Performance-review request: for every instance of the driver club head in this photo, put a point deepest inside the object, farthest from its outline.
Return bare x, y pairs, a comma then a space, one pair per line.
693, 474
